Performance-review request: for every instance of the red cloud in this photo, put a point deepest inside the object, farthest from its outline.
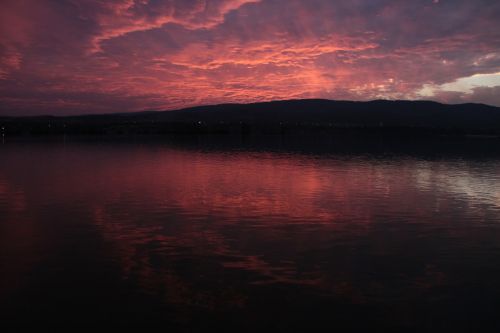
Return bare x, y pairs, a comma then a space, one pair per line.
120, 18
100, 56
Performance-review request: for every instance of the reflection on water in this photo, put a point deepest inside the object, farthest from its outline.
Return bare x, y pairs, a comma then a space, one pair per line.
149, 233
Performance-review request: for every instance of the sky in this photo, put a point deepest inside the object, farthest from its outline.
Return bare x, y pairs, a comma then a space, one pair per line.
65, 57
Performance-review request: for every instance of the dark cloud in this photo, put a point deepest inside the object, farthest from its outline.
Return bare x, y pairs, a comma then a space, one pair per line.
92, 56
486, 95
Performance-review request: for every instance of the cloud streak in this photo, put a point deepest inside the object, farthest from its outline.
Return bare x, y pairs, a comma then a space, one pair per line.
95, 56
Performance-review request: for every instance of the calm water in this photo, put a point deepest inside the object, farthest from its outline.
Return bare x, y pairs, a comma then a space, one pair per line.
193, 238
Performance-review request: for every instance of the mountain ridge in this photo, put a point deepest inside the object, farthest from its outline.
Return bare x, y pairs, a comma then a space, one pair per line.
272, 102
275, 117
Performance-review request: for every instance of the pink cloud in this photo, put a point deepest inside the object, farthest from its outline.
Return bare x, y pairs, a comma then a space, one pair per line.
101, 56
120, 18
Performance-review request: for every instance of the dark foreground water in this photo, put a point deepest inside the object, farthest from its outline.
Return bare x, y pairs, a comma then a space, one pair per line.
193, 238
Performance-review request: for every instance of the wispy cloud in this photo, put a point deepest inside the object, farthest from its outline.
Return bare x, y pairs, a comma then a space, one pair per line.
104, 56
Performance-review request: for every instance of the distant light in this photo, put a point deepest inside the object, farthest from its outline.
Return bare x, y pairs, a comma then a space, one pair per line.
464, 85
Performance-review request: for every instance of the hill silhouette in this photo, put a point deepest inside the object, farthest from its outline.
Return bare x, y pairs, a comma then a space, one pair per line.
292, 117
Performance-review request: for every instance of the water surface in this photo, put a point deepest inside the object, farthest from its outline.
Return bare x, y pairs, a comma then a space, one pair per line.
193, 238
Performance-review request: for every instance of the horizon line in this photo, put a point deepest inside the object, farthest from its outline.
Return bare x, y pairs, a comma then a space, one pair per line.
251, 103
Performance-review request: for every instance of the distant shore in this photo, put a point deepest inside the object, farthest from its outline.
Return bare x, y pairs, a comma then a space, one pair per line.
281, 118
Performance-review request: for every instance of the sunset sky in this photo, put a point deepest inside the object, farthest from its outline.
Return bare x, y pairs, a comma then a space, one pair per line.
67, 57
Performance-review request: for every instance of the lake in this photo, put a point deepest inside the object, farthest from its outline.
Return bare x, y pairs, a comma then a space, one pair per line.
199, 236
